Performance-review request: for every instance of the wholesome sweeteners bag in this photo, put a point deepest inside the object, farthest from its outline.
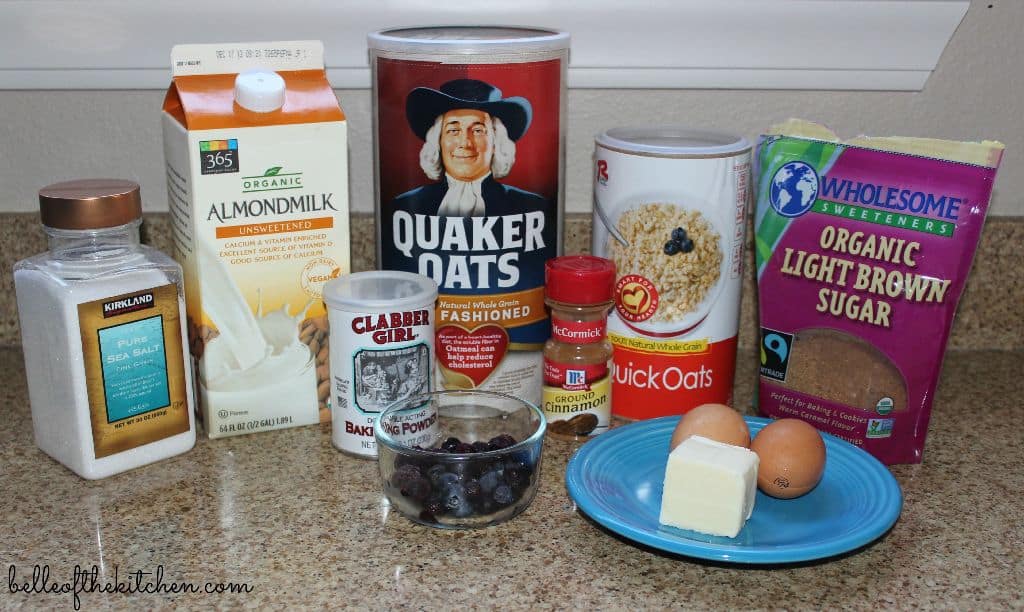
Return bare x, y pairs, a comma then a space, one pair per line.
863, 248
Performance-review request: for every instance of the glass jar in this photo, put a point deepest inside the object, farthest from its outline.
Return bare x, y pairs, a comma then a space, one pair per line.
577, 356
103, 332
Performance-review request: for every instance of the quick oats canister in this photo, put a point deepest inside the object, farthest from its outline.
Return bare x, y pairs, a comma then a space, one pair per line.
669, 209
382, 351
470, 144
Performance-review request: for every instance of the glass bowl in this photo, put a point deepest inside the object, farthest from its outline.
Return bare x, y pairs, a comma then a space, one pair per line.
460, 459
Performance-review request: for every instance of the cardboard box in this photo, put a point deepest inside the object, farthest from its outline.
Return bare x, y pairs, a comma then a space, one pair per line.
257, 176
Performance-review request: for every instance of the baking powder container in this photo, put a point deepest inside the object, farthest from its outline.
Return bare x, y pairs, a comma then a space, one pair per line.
469, 140
670, 210
382, 350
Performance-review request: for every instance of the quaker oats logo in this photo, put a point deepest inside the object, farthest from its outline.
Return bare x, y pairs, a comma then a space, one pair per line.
794, 188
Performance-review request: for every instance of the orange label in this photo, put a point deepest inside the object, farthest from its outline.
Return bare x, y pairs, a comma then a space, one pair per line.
207, 101
274, 227
504, 309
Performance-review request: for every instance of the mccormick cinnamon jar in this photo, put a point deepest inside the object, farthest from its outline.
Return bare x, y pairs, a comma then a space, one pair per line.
577, 357
469, 139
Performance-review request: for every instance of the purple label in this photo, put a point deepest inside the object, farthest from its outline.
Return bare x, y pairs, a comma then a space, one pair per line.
860, 286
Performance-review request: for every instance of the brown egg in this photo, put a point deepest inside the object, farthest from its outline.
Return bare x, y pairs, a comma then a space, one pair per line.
713, 421
792, 458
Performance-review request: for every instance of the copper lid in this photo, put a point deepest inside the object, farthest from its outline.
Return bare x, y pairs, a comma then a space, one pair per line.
90, 204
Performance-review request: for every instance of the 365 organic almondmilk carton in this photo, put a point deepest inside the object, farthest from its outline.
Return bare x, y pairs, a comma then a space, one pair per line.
255, 145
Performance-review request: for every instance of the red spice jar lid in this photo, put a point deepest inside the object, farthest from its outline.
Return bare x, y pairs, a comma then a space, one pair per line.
579, 279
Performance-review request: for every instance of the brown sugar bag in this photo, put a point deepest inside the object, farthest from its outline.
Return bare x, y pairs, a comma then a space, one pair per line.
862, 250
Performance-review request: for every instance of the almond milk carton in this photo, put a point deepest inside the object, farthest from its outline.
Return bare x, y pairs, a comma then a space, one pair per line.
257, 176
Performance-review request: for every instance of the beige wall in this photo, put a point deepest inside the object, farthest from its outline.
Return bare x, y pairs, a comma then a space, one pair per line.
976, 92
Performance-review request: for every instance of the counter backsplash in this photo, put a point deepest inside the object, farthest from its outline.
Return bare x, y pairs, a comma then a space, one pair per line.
989, 316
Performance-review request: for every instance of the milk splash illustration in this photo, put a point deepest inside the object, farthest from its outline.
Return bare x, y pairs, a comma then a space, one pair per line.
257, 364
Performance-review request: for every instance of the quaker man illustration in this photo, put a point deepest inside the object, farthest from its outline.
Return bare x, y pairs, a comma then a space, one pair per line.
469, 134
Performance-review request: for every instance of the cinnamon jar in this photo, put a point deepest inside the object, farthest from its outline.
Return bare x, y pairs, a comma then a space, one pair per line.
577, 357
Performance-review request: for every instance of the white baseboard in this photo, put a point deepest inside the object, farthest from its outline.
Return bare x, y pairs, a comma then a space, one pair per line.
735, 44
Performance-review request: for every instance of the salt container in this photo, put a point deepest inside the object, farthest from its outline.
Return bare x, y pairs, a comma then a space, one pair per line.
103, 332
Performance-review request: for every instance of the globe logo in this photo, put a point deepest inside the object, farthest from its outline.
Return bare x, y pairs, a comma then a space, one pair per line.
794, 189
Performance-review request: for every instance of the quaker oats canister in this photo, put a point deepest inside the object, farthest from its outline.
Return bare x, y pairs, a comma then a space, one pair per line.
670, 209
382, 348
469, 140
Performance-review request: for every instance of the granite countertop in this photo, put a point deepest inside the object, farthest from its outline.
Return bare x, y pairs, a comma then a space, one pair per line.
302, 524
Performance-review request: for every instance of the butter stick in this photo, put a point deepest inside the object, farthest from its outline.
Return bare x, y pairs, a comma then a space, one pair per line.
709, 487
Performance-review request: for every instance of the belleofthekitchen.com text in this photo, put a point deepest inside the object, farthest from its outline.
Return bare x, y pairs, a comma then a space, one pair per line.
85, 581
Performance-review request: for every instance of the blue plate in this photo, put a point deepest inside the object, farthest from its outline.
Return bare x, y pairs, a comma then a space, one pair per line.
616, 479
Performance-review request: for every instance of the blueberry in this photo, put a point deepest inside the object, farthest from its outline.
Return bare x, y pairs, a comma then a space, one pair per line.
455, 500
452, 494
417, 488
447, 479
502, 495
514, 479
490, 480
464, 448
485, 505
514, 463
679, 235
686, 246
473, 488
464, 469
463, 510
517, 478
434, 473
451, 444
671, 248
480, 447
479, 468
400, 479
500, 442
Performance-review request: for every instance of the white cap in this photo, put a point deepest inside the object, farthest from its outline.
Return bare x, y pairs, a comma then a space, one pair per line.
468, 40
259, 90
672, 141
380, 290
